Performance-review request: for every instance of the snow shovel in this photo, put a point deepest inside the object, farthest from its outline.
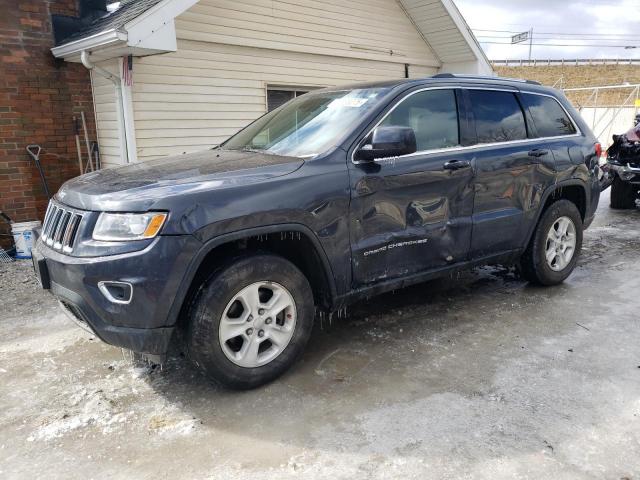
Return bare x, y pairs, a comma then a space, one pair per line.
34, 151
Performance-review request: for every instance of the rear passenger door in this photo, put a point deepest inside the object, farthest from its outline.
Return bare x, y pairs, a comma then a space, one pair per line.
505, 163
556, 142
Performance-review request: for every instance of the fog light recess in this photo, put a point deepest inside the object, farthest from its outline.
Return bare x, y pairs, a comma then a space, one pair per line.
117, 292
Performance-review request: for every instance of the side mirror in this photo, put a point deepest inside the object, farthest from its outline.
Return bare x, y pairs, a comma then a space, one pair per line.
388, 142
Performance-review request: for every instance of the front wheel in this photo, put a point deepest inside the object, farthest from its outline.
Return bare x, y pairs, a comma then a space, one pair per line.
555, 247
251, 321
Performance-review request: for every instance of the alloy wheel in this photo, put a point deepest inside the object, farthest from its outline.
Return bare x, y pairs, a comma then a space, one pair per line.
257, 324
561, 244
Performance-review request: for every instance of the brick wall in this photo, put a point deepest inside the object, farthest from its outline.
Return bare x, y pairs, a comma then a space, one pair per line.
575, 76
39, 96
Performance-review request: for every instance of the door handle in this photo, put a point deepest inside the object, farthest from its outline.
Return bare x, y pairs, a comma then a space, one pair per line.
538, 152
454, 165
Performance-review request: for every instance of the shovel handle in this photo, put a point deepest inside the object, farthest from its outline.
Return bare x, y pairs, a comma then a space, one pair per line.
34, 151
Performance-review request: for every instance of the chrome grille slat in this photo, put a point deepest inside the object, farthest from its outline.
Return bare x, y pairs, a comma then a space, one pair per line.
61, 226
54, 225
48, 224
71, 232
47, 218
60, 231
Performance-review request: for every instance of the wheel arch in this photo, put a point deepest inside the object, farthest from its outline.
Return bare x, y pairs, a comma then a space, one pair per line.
260, 239
573, 190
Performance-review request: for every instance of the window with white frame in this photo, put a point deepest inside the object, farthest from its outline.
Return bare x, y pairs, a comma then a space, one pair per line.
278, 96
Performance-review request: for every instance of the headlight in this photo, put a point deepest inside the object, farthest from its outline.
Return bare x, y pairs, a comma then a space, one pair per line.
120, 227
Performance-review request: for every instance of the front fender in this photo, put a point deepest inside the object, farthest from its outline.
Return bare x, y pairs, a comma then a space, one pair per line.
218, 241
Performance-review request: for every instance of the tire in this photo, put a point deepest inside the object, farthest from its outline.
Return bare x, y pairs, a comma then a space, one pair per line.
237, 297
534, 265
623, 194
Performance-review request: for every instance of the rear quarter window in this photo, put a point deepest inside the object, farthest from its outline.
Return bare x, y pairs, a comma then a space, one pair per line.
549, 117
498, 116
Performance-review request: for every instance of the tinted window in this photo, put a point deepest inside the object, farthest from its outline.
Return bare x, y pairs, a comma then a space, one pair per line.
549, 117
432, 114
498, 116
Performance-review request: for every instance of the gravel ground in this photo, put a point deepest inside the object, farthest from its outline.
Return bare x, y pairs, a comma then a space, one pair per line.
482, 377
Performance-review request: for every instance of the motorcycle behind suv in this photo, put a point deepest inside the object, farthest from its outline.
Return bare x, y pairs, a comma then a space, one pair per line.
623, 160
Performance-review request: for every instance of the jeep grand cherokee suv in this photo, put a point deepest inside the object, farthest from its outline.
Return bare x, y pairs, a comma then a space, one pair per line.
337, 195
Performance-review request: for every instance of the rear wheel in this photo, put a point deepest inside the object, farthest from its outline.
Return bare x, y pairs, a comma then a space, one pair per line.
553, 251
623, 194
251, 321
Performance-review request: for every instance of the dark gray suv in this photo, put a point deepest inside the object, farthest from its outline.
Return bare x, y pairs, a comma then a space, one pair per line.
337, 195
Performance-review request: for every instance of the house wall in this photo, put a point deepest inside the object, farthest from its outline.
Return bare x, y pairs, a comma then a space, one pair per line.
371, 29
106, 115
39, 97
230, 51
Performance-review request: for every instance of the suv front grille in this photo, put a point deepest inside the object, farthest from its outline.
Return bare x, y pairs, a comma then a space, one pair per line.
61, 227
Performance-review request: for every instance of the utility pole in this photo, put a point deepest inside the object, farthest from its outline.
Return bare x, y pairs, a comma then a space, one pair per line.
530, 42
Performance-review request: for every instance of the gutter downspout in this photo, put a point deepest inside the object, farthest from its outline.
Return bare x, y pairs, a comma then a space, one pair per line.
84, 58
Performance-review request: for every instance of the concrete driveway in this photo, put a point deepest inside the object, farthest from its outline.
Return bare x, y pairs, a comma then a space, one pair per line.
481, 377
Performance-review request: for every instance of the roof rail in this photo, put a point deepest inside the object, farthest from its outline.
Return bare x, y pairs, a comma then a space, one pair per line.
484, 77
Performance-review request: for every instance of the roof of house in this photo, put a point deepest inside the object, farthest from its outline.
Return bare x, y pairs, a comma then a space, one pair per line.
439, 22
127, 11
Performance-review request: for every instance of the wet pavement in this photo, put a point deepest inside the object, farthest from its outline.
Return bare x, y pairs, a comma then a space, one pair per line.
481, 376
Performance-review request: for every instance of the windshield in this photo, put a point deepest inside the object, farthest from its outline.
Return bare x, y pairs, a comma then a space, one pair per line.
309, 125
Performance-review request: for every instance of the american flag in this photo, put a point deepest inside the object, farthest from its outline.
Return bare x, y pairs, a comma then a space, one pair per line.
127, 70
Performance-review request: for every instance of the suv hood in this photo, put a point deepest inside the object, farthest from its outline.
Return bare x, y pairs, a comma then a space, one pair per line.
138, 187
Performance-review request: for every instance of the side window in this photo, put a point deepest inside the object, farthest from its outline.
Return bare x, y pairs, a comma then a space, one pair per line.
498, 116
549, 117
433, 115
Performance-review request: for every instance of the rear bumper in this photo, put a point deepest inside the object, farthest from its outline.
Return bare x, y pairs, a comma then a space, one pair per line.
144, 324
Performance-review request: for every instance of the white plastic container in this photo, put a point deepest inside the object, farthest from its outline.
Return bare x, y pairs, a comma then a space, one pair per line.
23, 237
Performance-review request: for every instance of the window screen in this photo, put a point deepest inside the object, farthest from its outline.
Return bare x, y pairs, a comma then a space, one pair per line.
498, 116
549, 117
277, 98
433, 115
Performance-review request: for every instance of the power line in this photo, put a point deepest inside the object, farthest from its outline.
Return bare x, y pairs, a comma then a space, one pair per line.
562, 45
600, 39
604, 41
560, 33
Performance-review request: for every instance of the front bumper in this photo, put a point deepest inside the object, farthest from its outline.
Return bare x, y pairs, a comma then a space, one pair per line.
144, 324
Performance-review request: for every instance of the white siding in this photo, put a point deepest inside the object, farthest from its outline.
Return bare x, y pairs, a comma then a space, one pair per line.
104, 96
229, 52
372, 29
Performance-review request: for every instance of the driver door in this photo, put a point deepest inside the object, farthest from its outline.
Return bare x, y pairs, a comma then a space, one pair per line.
412, 214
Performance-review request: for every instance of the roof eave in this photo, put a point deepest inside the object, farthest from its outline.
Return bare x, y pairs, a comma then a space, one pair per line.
467, 33
99, 40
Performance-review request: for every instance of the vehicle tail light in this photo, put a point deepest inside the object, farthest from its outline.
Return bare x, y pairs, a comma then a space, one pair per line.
598, 150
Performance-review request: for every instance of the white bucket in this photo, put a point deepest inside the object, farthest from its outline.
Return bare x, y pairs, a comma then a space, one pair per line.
23, 237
